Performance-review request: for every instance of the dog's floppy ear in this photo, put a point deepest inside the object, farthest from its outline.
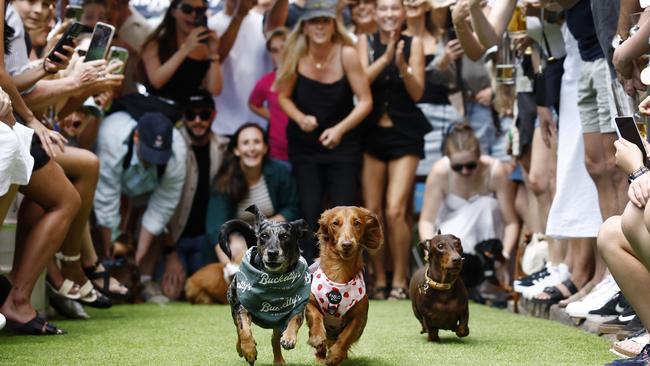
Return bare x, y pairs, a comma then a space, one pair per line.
236, 226
425, 246
323, 225
259, 216
457, 244
373, 236
300, 228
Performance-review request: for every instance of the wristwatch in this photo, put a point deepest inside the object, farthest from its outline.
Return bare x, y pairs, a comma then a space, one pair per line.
637, 173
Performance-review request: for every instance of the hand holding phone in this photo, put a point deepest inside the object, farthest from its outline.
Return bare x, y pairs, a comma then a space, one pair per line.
66, 40
117, 55
100, 41
626, 129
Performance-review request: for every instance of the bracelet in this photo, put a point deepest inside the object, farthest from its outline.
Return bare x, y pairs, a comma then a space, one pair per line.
409, 71
637, 173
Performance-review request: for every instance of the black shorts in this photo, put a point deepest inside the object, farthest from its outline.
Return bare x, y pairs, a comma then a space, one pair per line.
40, 156
387, 143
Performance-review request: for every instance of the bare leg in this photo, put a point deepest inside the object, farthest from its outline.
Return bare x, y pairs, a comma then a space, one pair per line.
82, 167
401, 176
6, 200
628, 268
51, 189
373, 180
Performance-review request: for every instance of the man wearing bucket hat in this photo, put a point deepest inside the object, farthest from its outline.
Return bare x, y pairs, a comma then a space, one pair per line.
143, 160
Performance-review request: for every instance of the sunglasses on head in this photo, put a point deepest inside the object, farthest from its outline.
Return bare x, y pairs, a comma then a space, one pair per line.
459, 167
204, 115
189, 9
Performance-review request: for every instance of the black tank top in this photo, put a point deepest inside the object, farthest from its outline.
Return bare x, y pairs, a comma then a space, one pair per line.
389, 94
330, 103
433, 93
185, 81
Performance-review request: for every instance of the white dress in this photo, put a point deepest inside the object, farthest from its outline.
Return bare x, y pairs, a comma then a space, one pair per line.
16, 163
575, 212
472, 220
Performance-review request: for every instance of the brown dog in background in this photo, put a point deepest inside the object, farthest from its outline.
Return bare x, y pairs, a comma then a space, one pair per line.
209, 284
438, 295
338, 305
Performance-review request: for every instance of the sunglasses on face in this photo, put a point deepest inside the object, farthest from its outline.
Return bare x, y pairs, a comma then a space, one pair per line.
469, 166
188, 9
274, 50
204, 115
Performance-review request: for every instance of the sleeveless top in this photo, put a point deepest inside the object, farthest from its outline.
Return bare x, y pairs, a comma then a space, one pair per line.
330, 103
185, 81
434, 93
389, 94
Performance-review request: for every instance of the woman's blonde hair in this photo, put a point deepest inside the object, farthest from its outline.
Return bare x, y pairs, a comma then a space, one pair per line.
296, 47
461, 137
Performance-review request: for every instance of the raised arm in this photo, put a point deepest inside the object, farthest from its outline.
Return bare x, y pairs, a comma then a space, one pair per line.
471, 45
375, 68
433, 196
489, 32
230, 35
277, 16
413, 73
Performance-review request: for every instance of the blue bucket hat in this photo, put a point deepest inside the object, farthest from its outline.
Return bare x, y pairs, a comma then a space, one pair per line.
319, 9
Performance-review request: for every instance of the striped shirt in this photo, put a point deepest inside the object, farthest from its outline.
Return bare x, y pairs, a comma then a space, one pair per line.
258, 194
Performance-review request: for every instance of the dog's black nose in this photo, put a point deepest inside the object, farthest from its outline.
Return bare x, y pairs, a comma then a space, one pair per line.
347, 245
272, 254
457, 259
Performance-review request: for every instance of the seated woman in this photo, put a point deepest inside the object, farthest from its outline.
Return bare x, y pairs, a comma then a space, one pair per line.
623, 240
247, 176
467, 194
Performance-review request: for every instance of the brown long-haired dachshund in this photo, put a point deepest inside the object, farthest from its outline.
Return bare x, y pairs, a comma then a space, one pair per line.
338, 305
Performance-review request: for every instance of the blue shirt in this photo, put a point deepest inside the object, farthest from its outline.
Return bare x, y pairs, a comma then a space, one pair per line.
136, 180
580, 21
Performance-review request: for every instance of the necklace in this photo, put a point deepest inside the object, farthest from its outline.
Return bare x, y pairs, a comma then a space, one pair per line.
321, 65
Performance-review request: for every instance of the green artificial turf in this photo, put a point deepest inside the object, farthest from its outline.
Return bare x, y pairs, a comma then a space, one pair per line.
182, 334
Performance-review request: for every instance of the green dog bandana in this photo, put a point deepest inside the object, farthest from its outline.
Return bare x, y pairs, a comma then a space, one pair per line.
273, 299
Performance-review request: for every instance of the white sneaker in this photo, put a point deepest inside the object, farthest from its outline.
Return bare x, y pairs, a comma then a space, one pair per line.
601, 294
558, 274
3, 321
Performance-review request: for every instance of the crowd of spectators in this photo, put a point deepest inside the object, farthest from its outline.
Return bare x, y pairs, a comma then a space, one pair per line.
459, 116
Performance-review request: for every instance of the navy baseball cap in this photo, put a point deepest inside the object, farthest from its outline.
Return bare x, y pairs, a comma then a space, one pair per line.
155, 131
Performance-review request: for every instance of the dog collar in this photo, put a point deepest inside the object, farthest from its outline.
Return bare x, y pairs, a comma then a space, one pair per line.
429, 283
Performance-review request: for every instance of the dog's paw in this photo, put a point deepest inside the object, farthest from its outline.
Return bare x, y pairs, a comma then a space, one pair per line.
249, 351
336, 357
288, 341
316, 341
462, 331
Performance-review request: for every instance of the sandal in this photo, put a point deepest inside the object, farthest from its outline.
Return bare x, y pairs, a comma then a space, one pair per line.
555, 294
36, 326
89, 296
378, 293
105, 276
632, 346
398, 293
65, 289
